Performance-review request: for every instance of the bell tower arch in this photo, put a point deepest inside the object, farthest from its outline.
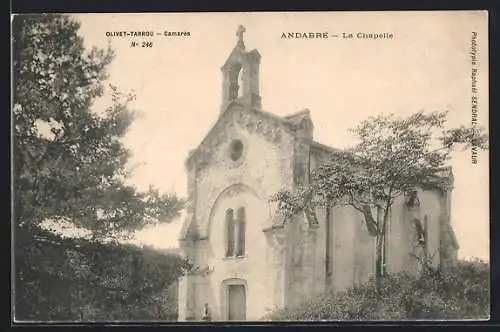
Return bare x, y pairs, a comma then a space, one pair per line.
240, 76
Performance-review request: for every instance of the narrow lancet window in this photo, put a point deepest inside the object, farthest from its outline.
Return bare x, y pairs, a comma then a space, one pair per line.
241, 222
230, 233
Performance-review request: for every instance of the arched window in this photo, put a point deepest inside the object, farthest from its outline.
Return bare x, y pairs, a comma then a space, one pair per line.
240, 83
235, 81
413, 210
420, 226
230, 233
240, 244
413, 200
235, 229
421, 236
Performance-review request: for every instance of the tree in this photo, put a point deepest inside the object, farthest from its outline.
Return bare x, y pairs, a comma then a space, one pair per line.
76, 168
392, 157
70, 164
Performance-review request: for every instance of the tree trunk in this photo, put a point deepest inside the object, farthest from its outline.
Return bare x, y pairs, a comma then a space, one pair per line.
380, 249
378, 261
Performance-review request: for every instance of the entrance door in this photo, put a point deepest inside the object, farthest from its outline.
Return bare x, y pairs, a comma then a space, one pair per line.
237, 302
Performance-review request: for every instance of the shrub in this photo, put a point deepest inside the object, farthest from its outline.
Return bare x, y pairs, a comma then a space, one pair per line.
461, 292
61, 279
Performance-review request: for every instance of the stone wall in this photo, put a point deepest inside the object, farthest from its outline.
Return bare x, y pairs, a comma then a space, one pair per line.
449, 249
403, 246
345, 222
349, 251
352, 249
432, 212
364, 252
399, 237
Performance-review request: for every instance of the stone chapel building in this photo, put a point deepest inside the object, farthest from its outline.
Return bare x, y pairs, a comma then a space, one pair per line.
249, 260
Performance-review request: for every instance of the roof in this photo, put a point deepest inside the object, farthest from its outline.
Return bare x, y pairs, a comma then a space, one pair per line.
322, 147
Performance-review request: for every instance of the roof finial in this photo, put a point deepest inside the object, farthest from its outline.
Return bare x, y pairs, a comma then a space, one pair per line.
239, 33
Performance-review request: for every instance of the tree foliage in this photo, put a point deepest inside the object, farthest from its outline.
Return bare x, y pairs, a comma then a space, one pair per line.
393, 157
69, 159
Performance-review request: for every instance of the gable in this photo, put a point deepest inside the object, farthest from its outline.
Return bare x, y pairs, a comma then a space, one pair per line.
260, 122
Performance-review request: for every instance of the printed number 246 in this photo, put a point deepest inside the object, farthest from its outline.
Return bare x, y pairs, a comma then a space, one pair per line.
147, 44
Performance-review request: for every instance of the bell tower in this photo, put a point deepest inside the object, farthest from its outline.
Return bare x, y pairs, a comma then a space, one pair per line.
240, 76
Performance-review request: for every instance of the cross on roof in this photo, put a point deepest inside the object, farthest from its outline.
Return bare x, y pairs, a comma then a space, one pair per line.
239, 33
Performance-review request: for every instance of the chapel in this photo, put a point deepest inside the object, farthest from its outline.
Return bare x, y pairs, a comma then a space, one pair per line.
249, 260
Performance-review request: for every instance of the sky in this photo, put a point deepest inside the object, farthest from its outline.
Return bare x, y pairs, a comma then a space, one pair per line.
177, 82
